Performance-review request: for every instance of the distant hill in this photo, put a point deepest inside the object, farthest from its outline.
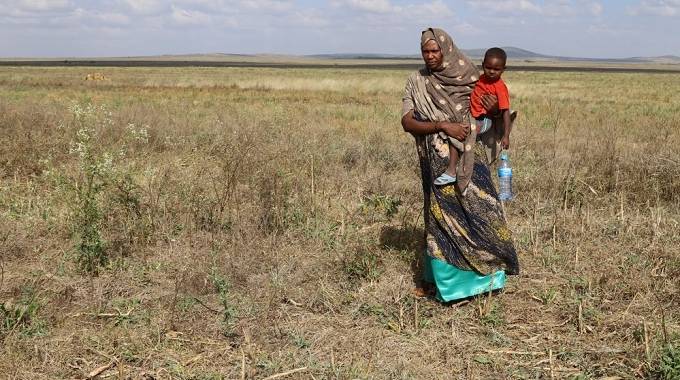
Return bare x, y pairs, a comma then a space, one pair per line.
513, 53
363, 56
660, 59
518, 58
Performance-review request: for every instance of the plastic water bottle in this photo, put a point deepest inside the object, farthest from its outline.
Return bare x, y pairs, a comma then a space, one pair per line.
505, 178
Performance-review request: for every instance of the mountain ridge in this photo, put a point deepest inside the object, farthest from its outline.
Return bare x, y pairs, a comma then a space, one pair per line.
516, 54
513, 53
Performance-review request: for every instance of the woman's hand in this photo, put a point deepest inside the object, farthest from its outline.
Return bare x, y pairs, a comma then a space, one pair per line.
458, 131
490, 104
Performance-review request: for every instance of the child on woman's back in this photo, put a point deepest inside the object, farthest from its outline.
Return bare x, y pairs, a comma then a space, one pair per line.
490, 83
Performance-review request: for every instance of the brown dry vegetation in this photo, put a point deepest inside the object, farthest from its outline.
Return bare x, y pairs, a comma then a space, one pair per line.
253, 222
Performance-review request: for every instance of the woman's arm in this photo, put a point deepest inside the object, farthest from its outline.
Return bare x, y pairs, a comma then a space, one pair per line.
458, 131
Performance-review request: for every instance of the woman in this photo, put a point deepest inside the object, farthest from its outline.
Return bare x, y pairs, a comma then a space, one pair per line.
469, 247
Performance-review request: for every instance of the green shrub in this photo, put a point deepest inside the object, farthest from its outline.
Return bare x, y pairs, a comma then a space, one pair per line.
669, 364
104, 196
87, 185
363, 264
22, 316
228, 311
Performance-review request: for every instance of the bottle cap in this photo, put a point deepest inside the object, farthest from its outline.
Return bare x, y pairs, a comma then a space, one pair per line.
504, 156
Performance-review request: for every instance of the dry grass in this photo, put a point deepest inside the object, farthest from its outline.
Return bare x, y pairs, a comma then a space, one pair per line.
261, 221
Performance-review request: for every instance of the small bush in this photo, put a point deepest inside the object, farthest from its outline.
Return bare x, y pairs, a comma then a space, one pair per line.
228, 311
105, 200
22, 316
669, 364
362, 265
380, 205
87, 186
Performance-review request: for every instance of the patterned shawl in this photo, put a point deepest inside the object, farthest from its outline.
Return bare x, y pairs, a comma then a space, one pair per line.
450, 89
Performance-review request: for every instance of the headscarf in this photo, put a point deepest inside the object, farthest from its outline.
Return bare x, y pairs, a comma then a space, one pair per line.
451, 87
450, 90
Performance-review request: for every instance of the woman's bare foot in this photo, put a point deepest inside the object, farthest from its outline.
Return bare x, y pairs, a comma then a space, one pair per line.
423, 291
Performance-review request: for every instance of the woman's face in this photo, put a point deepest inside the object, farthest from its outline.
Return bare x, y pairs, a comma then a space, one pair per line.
432, 55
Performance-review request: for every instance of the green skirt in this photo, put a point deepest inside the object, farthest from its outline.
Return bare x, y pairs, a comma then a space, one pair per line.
455, 284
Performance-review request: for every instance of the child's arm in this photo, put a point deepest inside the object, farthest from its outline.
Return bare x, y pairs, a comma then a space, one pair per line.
507, 126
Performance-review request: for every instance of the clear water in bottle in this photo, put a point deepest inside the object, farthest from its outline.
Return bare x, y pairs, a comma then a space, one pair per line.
505, 178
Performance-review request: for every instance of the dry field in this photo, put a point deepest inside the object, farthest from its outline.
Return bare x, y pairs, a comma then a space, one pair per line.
266, 223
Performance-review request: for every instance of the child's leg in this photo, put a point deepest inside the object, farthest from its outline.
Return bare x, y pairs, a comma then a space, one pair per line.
449, 175
453, 161
483, 124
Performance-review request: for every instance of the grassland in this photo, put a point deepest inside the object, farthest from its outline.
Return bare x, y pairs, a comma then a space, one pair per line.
242, 223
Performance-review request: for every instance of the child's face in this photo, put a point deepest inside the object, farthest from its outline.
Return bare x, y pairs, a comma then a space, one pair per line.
493, 68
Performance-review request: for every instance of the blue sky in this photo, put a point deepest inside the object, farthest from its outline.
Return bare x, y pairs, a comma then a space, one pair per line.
582, 28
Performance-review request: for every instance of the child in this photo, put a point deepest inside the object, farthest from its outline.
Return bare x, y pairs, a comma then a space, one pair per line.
490, 83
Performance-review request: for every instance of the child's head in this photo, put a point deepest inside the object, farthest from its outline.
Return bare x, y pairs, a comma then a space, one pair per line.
494, 63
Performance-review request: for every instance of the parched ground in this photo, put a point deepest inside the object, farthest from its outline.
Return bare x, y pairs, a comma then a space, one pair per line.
266, 223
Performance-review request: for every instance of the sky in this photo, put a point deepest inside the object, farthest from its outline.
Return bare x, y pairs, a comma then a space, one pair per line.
106, 28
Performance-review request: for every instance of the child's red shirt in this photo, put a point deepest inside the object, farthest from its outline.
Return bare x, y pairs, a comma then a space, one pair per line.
484, 87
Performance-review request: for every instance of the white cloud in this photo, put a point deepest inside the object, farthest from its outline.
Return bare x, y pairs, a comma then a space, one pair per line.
84, 19
609, 30
560, 8
270, 5
309, 18
145, 7
409, 13
505, 6
595, 8
121, 27
667, 8
190, 17
34, 8
43, 5
467, 29
232, 6
548, 8
377, 6
228, 22
436, 7
111, 18
212, 6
